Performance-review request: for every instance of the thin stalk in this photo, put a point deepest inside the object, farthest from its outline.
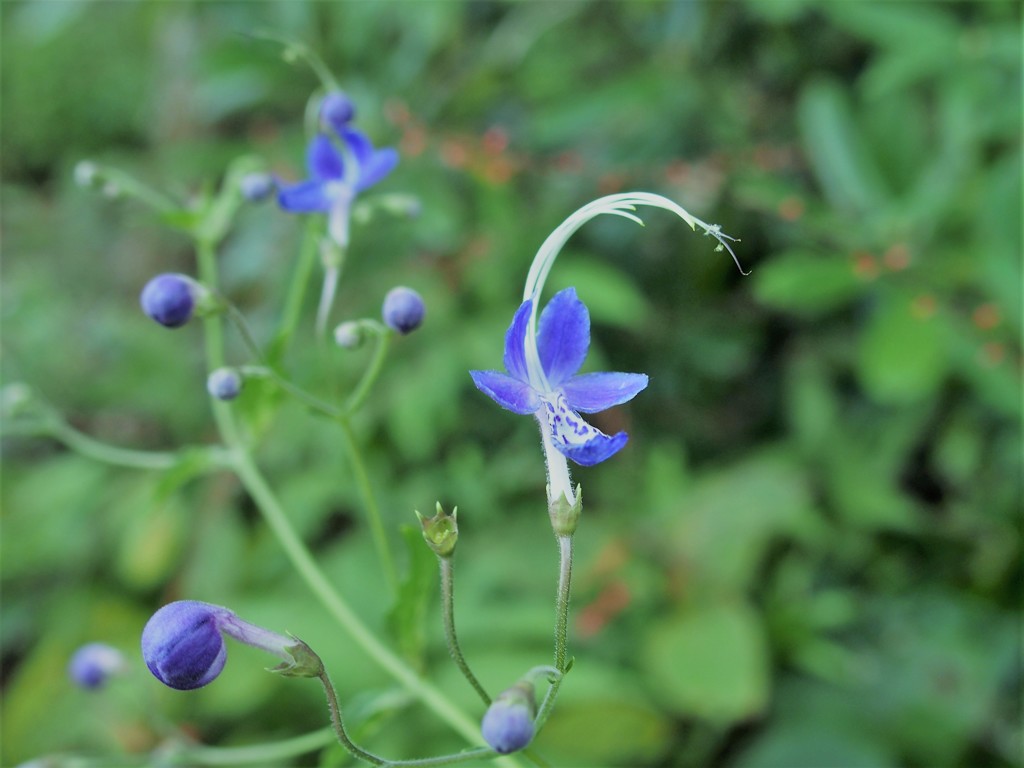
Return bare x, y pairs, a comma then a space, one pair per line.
380, 536
109, 454
300, 281
561, 628
339, 724
448, 617
562, 601
310, 400
271, 752
369, 378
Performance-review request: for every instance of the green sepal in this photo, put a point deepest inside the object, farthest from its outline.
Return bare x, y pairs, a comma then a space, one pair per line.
304, 662
441, 532
565, 516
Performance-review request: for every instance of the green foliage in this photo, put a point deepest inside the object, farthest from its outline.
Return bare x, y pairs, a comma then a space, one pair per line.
809, 553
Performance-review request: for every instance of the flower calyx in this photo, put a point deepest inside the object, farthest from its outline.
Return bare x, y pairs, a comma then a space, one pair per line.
304, 661
565, 516
441, 532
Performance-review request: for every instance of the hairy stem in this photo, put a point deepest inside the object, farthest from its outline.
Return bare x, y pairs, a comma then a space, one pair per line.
448, 617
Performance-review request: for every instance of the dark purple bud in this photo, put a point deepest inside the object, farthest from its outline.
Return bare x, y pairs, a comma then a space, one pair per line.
182, 644
508, 723
170, 299
224, 384
337, 111
93, 664
403, 310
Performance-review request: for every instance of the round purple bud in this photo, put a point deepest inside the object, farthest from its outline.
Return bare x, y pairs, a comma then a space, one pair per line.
337, 110
182, 644
170, 299
224, 384
403, 310
508, 723
93, 664
257, 186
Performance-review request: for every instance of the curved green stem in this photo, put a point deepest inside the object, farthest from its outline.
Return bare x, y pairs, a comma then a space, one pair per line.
561, 628
109, 454
310, 400
380, 537
339, 724
448, 617
264, 754
362, 391
297, 290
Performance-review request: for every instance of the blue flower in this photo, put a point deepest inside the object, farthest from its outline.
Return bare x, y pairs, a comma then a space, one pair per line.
336, 179
555, 393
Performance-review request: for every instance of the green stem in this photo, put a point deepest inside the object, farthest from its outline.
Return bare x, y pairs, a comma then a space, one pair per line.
339, 724
300, 282
312, 401
362, 754
562, 601
380, 537
561, 628
448, 617
362, 391
109, 454
264, 754
132, 187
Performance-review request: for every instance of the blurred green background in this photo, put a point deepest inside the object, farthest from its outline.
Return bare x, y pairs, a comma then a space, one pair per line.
807, 557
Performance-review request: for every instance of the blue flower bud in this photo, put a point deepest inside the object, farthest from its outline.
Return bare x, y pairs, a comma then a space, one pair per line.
337, 111
183, 645
224, 383
170, 299
257, 186
508, 723
93, 664
403, 310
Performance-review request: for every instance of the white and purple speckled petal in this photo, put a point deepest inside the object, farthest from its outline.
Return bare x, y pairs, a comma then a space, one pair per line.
575, 438
594, 392
511, 394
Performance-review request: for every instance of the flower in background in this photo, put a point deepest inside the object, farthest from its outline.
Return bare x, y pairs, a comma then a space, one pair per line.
563, 338
403, 310
337, 174
93, 664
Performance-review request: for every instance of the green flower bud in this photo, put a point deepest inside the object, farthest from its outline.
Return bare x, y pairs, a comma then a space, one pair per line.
441, 532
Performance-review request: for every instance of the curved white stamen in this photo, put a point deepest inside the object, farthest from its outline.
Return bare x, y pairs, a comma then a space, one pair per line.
620, 205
